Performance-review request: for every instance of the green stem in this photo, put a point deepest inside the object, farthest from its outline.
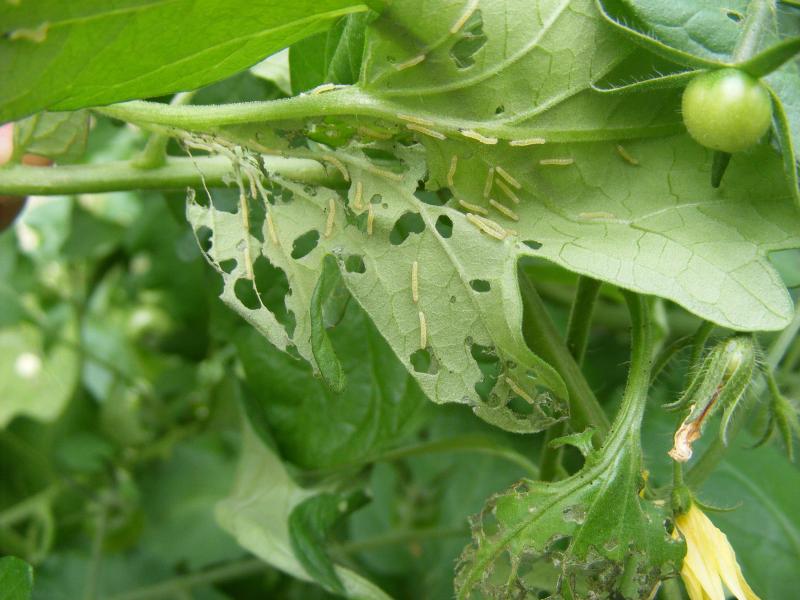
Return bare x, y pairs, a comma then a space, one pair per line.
154, 153
671, 590
176, 174
580, 320
715, 452
346, 101
699, 343
542, 336
28, 507
170, 587
580, 317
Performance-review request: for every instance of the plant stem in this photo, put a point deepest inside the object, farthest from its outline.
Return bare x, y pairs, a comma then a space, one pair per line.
580, 317
542, 336
671, 590
715, 452
154, 153
346, 101
580, 320
171, 586
177, 173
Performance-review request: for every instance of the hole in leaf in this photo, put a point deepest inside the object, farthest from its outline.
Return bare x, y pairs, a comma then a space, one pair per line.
228, 265
500, 110
355, 264
304, 244
246, 293
273, 287
424, 362
734, 16
407, 224
519, 406
480, 285
532, 244
444, 225
428, 197
490, 367
204, 238
376, 199
470, 41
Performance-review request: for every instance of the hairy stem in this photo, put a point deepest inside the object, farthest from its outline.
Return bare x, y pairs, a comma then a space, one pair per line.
175, 174
580, 320
715, 452
753, 27
542, 336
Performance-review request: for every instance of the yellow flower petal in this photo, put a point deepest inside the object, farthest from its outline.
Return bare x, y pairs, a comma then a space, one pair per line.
710, 560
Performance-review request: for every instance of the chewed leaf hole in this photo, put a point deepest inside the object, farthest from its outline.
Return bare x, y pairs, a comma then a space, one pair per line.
734, 16
490, 367
228, 265
480, 285
424, 362
444, 225
470, 41
304, 244
532, 244
355, 264
429, 197
273, 288
246, 293
205, 238
407, 224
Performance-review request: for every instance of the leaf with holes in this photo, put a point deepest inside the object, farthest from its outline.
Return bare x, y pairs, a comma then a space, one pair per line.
443, 295
595, 529
642, 216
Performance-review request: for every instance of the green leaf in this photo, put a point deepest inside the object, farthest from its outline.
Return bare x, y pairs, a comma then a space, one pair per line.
59, 136
657, 227
509, 69
309, 524
37, 375
594, 527
321, 346
16, 578
465, 317
257, 514
93, 53
316, 427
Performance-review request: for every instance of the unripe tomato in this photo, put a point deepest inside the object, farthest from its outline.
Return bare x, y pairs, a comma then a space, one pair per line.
726, 110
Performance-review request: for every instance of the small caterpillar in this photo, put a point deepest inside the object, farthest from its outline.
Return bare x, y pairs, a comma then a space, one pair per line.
527, 142
474, 135
461, 21
331, 217
358, 194
415, 282
507, 176
383, 172
338, 164
423, 331
504, 210
473, 207
494, 230
417, 120
411, 62
597, 215
508, 192
518, 390
626, 156
452, 172
424, 130
370, 218
487, 187
321, 89
562, 162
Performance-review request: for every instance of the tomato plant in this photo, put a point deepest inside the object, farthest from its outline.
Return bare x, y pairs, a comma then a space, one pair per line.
419, 299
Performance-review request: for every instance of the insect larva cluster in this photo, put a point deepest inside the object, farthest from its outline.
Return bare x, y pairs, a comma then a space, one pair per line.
489, 227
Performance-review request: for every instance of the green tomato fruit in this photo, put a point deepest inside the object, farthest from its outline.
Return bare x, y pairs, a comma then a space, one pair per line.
726, 110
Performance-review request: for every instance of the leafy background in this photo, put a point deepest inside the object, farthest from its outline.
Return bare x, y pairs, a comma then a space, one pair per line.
123, 428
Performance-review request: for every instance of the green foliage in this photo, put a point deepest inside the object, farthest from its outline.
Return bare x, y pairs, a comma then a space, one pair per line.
93, 53
16, 578
402, 202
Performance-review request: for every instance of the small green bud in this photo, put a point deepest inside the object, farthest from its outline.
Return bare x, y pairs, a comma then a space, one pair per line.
720, 382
